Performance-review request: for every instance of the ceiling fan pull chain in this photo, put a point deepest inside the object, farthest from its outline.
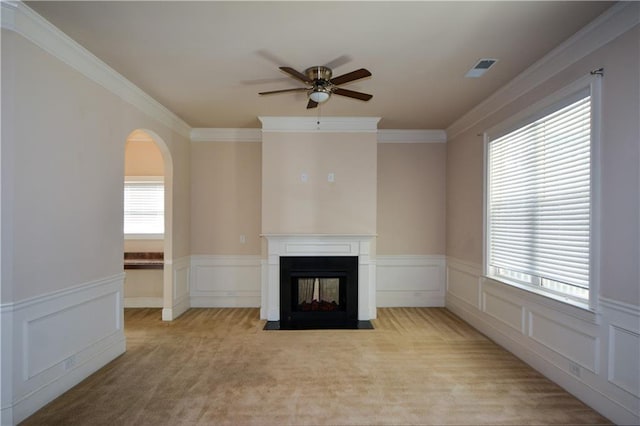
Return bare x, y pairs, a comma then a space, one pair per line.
319, 115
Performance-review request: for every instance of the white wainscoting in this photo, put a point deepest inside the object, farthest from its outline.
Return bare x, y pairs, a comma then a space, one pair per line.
176, 298
592, 355
410, 280
181, 272
225, 281
55, 346
235, 281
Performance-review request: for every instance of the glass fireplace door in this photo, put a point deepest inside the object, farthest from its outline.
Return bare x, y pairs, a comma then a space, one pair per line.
317, 294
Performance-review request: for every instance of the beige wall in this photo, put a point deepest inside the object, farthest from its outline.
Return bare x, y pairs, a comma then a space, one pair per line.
143, 158
143, 283
346, 206
63, 140
411, 198
225, 189
620, 168
464, 197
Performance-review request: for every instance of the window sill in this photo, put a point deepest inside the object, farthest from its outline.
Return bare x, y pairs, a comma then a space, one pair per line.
143, 236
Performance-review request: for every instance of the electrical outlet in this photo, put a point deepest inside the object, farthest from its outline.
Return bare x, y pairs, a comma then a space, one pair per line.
575, 369
70, 362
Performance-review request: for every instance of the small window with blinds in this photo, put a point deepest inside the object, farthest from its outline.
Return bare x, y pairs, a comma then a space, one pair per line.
144, 207
539, 206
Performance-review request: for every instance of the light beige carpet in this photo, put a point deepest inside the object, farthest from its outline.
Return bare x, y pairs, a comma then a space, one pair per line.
217, 367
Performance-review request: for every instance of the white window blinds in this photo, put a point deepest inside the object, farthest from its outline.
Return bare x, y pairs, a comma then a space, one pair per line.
143, 207
539, 201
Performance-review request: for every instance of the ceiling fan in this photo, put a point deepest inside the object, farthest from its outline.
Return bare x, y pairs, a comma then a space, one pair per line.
322, 86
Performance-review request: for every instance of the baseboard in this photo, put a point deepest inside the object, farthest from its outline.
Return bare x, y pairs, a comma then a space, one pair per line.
143, 302
225, 281
222, 300
410, 281
59, 340
179, 307
42, 396
577, 350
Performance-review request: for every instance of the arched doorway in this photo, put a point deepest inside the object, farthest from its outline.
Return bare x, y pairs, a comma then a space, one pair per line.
148, 169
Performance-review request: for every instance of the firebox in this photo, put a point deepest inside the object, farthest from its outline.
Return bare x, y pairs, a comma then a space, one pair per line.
318, 292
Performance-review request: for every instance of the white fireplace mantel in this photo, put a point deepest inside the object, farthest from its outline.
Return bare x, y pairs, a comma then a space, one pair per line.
318, 245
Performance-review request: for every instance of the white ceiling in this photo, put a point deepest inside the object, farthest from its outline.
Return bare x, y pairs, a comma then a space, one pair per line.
206, 61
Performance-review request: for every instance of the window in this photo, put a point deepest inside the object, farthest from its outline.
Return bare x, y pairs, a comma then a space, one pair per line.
144, 207
539, 199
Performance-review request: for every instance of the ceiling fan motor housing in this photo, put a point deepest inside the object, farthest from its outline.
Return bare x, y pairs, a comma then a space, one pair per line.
318, 73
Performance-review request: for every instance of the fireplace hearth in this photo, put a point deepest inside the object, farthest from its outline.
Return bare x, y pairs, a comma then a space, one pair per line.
318, 292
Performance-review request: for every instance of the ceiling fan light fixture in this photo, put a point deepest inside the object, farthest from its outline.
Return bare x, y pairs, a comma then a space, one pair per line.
319, 95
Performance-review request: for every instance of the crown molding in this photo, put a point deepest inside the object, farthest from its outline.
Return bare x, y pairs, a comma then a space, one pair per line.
21, 19
7, 14
225, 135
255, 135
323, 124
411, 136
614, 22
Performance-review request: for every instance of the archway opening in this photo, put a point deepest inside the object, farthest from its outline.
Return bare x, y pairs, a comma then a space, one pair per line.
147, 221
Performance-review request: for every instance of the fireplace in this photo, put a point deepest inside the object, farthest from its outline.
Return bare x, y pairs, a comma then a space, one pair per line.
317, 269
318, 291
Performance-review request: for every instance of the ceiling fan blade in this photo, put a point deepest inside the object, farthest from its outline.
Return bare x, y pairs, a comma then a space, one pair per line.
340, 60
271, 57
352, 94
263, 81
353, 75
312, 104
299, 89
296, 74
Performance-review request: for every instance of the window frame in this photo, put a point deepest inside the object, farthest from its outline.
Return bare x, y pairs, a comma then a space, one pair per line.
534, 112
150, 236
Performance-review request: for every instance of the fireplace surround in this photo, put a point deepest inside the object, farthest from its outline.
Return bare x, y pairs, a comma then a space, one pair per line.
331, 248
318, 292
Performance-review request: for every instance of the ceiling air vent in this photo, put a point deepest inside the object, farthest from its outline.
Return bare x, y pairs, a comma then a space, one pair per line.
480, 68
